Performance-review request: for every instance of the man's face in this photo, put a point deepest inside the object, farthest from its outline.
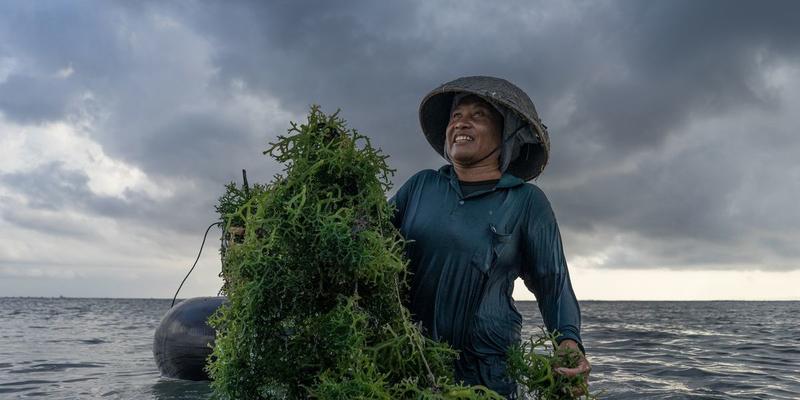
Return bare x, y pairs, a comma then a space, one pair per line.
473, 131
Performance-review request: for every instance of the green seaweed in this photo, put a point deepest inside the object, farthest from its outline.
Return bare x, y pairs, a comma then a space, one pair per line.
532, 364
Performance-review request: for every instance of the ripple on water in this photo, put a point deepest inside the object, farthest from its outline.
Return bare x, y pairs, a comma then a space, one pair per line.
16, 389
27, 382
79, 379
92, 341
54, 367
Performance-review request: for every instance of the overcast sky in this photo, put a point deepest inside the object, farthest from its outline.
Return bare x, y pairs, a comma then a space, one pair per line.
674, 167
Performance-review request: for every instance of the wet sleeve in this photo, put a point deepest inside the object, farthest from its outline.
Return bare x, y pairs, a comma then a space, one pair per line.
545, 273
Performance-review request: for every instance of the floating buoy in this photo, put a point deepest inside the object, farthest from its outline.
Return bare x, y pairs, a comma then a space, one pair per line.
183, 340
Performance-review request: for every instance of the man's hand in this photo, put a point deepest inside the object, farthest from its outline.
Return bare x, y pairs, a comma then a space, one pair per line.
583, 367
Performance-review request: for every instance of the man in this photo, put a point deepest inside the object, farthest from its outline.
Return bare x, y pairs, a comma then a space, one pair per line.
475, 226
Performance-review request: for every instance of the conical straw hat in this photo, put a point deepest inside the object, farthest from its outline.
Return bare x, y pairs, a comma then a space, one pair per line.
531, 144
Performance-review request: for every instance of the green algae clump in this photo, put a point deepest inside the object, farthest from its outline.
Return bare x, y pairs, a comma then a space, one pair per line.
316, 281
532, 364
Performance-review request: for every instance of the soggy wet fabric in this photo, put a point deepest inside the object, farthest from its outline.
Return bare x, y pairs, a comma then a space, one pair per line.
465, 253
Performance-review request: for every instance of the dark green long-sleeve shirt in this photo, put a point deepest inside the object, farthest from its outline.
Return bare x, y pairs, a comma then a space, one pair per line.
465, 254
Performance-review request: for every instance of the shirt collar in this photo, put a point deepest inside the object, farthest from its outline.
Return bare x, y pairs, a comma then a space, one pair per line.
508, 180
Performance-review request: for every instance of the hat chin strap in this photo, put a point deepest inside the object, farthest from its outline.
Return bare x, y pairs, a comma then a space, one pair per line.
484, 157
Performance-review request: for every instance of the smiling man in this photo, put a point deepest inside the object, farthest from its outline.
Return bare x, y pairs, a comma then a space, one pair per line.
475, 226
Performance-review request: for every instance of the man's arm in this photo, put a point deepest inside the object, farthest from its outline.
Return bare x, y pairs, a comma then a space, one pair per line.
546, 275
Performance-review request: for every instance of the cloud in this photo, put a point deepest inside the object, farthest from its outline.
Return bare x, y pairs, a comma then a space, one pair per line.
645, 105
672, 124
29, 99
718, 190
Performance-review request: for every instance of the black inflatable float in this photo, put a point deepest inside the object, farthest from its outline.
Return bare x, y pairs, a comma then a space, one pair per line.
183, 340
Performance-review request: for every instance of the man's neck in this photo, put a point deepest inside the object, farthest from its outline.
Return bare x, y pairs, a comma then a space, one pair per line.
476, 173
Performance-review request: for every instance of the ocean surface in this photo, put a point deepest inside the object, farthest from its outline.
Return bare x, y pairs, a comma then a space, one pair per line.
102, 349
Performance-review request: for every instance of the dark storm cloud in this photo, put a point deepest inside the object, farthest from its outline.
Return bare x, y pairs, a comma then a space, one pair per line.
638, 73
149, 102
30, 100
50, 186
195, 144
615, 81
361, 57
47, 37
53, 188
143, 74
372, 60
637, 70
675, 60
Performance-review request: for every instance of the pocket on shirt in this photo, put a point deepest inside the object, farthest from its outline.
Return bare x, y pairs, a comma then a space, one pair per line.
485, 257
500, 240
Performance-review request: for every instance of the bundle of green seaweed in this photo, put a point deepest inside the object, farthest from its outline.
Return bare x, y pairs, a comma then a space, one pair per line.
532, 364
316, 282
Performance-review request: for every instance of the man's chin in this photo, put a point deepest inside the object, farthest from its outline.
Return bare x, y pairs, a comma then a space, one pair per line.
461, 156
463, 161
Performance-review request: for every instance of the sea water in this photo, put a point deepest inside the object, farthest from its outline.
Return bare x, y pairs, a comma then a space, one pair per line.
63, 348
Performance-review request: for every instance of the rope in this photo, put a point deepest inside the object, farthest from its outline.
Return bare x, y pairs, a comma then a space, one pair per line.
195, 262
